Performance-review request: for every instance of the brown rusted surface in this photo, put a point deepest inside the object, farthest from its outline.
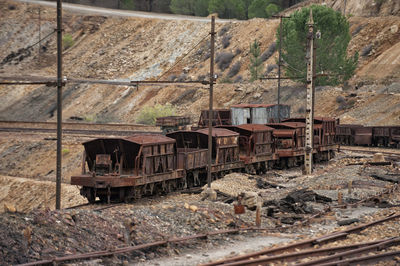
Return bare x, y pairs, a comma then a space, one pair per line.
363, 136
219, 132
116, 163
172, 121
149, 139
225, 145
289, 138
341, 255
192, 149
220, 117
304, 254
345, 133
256, 142
255, 127
365, 260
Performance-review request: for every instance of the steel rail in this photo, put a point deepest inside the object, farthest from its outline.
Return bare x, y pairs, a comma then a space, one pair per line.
104, 253
78, 132
338, 256
303, 254
318, 240
377, 150
65, 124
369, 258
305, 243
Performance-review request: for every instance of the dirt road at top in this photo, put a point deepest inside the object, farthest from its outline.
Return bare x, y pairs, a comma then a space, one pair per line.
82, 9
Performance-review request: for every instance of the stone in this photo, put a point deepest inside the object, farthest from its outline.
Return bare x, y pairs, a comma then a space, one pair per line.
378, 157
209, 194
394, 29
9, 208
193, 208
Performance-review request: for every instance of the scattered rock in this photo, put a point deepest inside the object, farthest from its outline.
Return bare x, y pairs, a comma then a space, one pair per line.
348, 221
9, 208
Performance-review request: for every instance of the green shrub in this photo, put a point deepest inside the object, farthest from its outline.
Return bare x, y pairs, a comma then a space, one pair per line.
226, 80
149, 114
67, 41
89, 118
255, 61
65, 151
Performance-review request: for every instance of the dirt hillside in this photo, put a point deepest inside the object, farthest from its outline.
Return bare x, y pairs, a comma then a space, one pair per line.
124, 48
107, 47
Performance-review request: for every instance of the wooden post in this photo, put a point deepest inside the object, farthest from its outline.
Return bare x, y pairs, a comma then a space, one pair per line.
340, 198
258, 215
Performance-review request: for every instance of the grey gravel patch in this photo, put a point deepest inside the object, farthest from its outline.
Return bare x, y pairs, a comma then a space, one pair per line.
232, 248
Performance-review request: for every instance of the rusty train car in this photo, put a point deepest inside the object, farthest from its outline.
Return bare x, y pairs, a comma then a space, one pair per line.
359, 135
128, 168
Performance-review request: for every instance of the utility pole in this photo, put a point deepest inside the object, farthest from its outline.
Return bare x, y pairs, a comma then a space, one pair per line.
308, 157
40, 46
210, 111
59, 102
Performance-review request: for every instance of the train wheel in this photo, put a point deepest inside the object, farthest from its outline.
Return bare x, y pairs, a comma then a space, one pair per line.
189, 180
89, 194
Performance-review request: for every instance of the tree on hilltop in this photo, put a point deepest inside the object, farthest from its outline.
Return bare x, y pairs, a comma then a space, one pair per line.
331, 47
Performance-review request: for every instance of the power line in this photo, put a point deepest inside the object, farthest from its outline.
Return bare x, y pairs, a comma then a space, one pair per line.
44, 38
183, 57
49, 81
177, 62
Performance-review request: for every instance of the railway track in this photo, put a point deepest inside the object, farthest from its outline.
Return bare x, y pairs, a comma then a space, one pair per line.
269, 255
325, 256
70, 128
385, 151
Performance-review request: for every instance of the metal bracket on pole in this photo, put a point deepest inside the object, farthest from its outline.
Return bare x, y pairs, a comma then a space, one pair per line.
309, 145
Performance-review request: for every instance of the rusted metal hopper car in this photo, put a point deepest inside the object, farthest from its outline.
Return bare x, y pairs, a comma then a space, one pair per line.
290, 140
127, 168
256, 147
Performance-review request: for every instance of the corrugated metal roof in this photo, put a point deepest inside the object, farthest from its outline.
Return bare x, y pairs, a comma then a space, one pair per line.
218, 132
255, 127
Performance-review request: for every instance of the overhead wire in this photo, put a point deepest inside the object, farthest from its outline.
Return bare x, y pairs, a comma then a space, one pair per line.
178, 61
183, 57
